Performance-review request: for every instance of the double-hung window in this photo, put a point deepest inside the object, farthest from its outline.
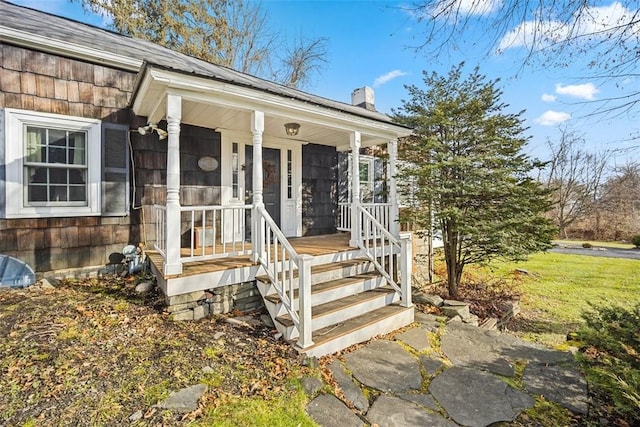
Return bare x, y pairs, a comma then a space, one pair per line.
53, 165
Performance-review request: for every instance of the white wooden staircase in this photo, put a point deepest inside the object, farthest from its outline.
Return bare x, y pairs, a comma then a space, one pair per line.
351, 302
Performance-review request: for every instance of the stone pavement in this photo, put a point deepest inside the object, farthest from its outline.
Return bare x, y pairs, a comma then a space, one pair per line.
405, 382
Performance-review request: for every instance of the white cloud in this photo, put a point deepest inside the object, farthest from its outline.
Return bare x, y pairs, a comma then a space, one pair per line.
592, 21
548, 98
583, 91
552, 118
386, 78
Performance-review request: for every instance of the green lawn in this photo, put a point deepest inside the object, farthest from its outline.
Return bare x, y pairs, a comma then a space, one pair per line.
560, 287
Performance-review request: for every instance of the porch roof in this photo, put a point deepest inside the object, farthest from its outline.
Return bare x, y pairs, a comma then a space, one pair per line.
211, 101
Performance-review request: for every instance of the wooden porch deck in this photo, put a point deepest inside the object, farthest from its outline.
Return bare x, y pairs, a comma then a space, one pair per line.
311, 245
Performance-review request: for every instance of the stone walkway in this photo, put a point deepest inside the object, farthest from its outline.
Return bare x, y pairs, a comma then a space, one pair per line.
407, 383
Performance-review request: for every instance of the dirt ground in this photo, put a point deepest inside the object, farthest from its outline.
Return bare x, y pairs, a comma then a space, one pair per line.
94, 353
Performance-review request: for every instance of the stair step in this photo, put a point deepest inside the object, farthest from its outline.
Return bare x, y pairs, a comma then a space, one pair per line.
343, 304
358, 329
329, 285
317, 270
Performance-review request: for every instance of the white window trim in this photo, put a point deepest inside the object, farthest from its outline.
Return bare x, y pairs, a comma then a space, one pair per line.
15, 205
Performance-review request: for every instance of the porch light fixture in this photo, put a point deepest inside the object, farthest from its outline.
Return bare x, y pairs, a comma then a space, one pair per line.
291, 128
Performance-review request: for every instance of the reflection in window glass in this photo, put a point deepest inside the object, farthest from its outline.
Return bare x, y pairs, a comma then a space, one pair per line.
289, 175
55, 166
234, 170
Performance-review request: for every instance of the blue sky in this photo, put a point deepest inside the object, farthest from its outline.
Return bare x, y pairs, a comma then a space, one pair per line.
369, 44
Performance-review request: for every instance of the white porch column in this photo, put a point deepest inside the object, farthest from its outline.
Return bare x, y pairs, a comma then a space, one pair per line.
394, 223
355, 142
257, 128
172, 264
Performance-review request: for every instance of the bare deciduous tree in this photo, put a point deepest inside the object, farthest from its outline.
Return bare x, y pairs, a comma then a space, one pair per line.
575, 177
553, 33
233, 33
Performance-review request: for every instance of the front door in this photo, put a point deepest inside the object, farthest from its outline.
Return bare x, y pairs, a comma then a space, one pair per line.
270, 178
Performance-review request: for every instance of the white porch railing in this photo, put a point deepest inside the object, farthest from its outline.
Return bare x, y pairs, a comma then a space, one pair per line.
280, 262
215, 231
380, 211
391, 256
160, 244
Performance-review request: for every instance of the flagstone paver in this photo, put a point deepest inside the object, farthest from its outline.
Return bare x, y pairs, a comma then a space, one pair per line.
385, 366
469, 393
391, 411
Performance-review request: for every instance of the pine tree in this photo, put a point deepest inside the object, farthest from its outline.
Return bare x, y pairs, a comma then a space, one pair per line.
470, 177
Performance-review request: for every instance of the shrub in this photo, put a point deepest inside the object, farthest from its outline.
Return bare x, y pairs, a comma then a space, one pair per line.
610, 355
635, 240
587, 245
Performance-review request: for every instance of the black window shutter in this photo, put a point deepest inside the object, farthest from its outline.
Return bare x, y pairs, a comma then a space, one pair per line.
115, 170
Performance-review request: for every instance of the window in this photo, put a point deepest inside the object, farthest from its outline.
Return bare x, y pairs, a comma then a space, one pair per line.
289, 174
234, 170
55, 166
52, 165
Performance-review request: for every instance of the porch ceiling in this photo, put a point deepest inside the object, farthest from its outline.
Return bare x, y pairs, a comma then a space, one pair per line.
218, 105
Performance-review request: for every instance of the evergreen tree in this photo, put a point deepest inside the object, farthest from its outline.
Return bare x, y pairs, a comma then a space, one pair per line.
469, 177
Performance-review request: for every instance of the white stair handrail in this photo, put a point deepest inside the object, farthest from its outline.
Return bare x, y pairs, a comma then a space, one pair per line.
280, 260
382, 248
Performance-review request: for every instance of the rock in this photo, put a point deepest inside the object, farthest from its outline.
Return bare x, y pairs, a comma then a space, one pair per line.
487, 399
238, 322
395, 412
351, 392
207, 370
430, 365
456, 310
385, 366
200, 311
563, 385
218, 335
266, 319
185, 400
143, 287
181, 307
135, 416
471, 320
328, 411
185, 298
416, 338
454, 303
311, 385
455, 319
45, 284
421, 399
433, 300
490, 323
182, 315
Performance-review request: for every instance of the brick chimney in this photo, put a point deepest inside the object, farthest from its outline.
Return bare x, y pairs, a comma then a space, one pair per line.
363, 97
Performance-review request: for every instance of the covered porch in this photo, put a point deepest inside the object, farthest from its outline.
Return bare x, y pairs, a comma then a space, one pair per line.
278, 149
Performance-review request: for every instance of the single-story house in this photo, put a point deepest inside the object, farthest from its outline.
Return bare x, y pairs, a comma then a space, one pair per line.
228, 182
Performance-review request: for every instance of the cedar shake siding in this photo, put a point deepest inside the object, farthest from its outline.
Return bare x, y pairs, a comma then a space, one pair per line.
319, 189
35, 81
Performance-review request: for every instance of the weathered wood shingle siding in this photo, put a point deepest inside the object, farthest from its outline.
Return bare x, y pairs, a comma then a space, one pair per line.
36, 81
319, 189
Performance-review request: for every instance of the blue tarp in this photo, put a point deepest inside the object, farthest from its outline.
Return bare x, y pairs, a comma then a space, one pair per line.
15, 273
